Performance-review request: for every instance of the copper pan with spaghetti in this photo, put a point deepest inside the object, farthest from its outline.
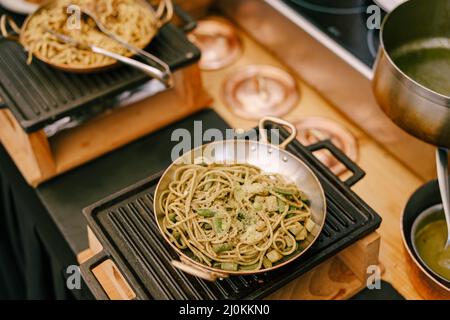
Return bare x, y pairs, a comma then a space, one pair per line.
133, 22
239, 207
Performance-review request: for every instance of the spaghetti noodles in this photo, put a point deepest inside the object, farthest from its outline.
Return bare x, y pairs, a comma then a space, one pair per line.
234, 217
130, 20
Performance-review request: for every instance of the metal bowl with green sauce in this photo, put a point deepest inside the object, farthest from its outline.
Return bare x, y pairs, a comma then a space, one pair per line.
429, 235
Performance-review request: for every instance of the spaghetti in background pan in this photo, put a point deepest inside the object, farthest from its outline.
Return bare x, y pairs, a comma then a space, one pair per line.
132, 21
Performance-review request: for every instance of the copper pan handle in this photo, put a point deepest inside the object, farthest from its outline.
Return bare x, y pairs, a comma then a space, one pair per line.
187, 266
281, 122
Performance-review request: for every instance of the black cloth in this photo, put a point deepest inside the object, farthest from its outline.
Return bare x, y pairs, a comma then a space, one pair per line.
33, 254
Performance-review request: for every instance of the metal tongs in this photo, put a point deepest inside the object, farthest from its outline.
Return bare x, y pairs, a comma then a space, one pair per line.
164, 14
164, 77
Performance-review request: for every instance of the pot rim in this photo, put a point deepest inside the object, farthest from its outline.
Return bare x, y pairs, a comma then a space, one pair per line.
414, 227
411, 254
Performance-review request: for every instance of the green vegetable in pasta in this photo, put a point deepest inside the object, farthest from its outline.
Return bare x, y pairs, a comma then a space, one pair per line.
274, 256
218, 248
281, 205
250, 267
229, 266
285, 191
217, 225
309, 225
267, 263
206, 213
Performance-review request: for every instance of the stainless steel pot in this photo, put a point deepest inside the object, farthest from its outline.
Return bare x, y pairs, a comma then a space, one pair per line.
427, 283
269, 158
415, 108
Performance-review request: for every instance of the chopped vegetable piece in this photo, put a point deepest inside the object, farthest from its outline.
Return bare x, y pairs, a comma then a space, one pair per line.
285, 191
206, 213
229, 266
218, 248
301, 235
217, 225
274, 256
251, 235
295, 228
250, 267
255, 188
267, 263
239, 194
290, 215
258, 203
173, 217
309, 225
241, 216
290, 242
271, 203
176, 235
281, 205
257, 206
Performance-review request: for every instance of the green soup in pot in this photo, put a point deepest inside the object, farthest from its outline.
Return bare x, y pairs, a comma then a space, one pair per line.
426, 62
430, 240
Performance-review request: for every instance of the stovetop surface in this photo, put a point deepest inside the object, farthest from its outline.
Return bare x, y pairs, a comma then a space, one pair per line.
345, 22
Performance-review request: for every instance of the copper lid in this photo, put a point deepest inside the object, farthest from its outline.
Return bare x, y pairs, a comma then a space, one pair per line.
314, 129
256, 91
219, 43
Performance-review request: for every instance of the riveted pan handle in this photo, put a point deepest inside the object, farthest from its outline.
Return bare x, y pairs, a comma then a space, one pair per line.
188, 267
280, 122
358, 173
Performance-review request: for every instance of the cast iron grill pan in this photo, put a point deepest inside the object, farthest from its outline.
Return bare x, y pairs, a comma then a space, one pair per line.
124, 224
39, 95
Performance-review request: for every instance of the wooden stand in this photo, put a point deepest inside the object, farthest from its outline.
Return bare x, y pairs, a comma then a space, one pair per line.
340, 277
40, 158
